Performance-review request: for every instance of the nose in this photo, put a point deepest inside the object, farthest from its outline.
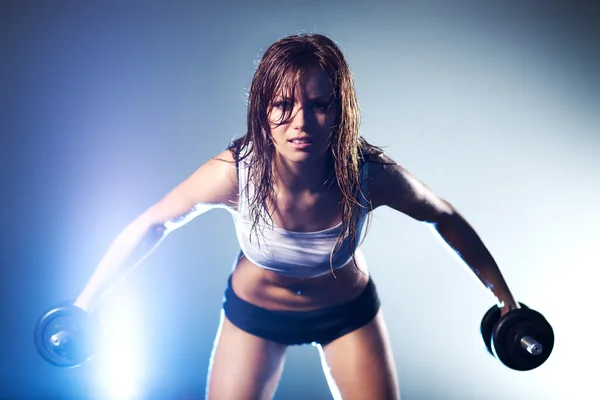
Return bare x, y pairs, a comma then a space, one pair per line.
299, 119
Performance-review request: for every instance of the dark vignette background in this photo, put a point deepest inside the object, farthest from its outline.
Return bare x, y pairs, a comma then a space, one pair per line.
105, 106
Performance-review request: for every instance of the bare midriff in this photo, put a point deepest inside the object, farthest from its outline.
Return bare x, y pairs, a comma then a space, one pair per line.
275, 291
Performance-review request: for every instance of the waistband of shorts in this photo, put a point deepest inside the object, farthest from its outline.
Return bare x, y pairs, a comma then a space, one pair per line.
366, 297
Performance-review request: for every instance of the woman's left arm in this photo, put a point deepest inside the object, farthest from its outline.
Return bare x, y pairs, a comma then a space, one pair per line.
393, 186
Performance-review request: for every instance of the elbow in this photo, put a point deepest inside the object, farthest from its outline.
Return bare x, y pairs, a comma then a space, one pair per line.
152, 234
158, 230
150, 225
446, 215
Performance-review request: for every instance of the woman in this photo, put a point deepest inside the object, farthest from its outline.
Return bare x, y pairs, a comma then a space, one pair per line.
301, 184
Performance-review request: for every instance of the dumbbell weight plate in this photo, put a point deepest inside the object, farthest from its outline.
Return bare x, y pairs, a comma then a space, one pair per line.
507, 334
65, 336
491, 317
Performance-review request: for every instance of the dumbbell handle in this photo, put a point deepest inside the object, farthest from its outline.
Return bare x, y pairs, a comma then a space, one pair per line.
531, 345
60, 338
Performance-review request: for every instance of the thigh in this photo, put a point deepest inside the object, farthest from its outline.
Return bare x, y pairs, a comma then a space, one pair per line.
360, 364
243, 366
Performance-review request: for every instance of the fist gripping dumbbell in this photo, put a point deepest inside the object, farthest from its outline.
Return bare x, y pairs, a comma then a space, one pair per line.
522, 339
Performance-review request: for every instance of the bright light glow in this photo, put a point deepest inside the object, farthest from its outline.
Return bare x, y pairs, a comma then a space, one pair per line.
335, 391
121, 358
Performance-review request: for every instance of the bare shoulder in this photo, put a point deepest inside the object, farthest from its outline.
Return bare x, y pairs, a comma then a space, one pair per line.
394, 186
216, 181
213, 184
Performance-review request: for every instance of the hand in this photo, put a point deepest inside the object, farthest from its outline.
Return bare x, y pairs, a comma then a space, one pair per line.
508, 307
82, 303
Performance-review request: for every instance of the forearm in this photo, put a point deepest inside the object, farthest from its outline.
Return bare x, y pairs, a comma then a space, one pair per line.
463, 240
129, 248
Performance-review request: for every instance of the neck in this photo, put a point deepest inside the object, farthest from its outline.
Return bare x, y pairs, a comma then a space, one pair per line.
296, 177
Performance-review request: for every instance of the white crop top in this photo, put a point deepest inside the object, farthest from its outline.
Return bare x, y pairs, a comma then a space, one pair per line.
294, 254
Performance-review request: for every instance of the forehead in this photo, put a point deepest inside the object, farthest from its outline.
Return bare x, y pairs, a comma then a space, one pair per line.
311, 83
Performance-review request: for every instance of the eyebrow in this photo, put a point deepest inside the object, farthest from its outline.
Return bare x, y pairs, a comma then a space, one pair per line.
321, 96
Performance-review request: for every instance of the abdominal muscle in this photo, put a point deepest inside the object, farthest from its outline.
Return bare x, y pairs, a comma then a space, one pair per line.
275, 291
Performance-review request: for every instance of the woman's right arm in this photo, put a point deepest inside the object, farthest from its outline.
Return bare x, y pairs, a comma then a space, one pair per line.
213, 184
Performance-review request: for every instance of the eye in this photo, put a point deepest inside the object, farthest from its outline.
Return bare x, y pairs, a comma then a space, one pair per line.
321, 107
282, 105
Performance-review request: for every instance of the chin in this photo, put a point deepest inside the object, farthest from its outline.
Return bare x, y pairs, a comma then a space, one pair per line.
306, 157
302, 158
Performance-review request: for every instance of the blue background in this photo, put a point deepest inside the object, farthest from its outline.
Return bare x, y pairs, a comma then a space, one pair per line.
106, 106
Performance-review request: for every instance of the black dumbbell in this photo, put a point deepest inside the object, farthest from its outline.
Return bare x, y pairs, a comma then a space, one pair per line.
487, 325
522, 339
66, 336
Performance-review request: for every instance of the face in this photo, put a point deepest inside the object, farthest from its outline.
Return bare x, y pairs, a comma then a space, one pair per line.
301, 127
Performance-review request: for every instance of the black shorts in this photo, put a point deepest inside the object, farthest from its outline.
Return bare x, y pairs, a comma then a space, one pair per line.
319, 326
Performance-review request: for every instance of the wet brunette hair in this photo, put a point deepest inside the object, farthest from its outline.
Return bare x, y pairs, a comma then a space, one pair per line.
281, 67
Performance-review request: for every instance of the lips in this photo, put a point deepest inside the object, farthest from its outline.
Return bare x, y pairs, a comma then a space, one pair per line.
300, 140
300, 143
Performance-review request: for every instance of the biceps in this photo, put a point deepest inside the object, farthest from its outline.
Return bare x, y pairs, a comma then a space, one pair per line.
207, 188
